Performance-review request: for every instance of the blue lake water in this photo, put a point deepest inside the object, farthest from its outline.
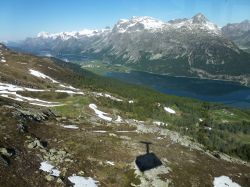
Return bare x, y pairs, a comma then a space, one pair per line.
225, 92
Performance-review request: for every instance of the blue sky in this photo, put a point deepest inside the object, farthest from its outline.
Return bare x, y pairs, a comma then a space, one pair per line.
23, 18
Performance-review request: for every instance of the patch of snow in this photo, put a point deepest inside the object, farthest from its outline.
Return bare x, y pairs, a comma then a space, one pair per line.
211, 26
224, 181
36, 100
98, 94
10, 87
70, 92
208, 128
80, 181
34, 90
112, 97
16, 99
41, 75
46, 105
169, 110
137, 121
119, 119
110, 163
15, 88
68, 87
125, 131
3, 60
130, 101
70, 126
100, 131
99, 113
9, 91
159, 123
47, 167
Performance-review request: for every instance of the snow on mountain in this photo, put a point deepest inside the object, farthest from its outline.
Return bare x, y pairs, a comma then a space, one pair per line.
73, 34
138, 24
41, 75
199, 21
135, 24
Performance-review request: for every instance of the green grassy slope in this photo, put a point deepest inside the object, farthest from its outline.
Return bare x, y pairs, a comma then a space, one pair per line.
230, 127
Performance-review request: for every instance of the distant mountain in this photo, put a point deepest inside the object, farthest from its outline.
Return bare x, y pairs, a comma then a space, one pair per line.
185, 47
239, 33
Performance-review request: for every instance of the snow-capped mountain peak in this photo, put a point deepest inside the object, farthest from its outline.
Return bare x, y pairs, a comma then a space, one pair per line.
148, 22
72, 34
197, 22
61, 35
138, 23
199, 19
43, 34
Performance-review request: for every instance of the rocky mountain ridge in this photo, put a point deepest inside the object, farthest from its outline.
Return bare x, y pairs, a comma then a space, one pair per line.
239, 33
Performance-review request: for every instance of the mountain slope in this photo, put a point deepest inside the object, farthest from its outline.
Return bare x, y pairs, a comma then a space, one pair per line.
186, 47
239, 33
60, 123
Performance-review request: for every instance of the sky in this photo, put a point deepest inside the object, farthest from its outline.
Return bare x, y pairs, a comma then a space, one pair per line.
25, 18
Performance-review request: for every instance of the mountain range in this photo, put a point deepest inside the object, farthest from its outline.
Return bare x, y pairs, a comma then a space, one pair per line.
192, 47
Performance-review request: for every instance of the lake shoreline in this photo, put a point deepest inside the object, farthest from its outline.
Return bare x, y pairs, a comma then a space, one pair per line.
190, 77
227, 92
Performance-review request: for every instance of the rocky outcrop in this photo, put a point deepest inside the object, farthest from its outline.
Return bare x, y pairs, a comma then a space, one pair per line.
33, 114
5, 155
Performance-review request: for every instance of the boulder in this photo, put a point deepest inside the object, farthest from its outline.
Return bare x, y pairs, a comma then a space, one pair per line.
35, 144
22, 128
8, 152
49, 178
4, 160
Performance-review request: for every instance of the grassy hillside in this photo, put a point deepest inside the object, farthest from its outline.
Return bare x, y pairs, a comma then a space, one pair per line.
227, 124
75, 139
